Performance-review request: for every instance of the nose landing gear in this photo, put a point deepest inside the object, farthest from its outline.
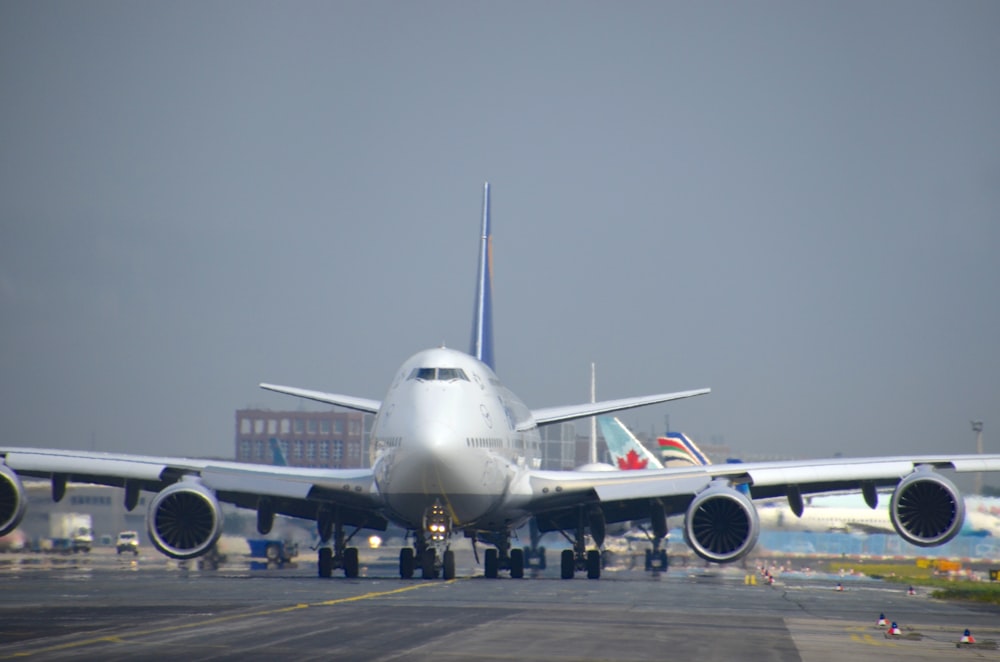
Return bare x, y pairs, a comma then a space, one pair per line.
432, 554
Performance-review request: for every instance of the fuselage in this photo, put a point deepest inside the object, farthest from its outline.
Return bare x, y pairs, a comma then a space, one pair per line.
449, 432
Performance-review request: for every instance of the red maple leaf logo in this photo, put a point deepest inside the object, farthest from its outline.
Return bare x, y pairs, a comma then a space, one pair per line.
631, 461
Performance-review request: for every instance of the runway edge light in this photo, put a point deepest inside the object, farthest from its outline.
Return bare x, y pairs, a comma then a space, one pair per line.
881, 621
894, 630
967, 637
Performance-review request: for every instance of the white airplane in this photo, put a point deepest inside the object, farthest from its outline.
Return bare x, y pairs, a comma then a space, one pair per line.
849, 514
456, 454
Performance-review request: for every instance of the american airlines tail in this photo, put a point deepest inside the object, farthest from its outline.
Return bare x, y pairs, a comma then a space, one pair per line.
482, 323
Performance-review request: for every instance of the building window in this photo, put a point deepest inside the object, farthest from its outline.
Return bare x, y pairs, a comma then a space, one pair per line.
299, 426
324, 450
246, 450
324, 427
338, 451
258, 426
245, 426
311, 451
272, 426
298, 450
286, 426
311, 426
355, 428
338, 426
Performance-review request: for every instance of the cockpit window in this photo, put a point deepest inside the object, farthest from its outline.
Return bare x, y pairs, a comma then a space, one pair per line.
423, 373
449, 374
441, 374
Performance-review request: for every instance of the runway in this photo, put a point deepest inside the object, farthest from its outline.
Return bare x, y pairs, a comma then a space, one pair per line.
104, 607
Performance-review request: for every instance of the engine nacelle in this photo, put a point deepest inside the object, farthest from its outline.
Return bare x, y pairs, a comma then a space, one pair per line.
184, 520
721, 524
12, 500
926, 508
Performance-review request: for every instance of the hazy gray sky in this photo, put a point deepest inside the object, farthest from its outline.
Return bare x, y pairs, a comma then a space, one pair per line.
794, 203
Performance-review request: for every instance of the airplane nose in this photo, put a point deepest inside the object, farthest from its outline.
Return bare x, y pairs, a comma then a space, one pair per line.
433, 436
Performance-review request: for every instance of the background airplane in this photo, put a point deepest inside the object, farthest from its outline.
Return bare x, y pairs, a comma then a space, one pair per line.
845, 513
455, 455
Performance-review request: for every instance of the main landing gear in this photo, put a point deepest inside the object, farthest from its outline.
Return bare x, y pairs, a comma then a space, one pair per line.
339, 556
579, 557
431, 552
502, 557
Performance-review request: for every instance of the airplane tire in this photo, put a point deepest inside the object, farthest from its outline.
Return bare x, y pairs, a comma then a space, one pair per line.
448, 565
516, 563
325, 562
406, 563
593, 564
351, 565
428, 564
491, 564
568, 564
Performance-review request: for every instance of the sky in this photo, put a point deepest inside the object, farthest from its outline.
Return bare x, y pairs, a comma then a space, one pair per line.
795, 204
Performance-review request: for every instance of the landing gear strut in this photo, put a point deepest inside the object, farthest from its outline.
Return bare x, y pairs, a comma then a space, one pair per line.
534, 556
330, 526
656, 558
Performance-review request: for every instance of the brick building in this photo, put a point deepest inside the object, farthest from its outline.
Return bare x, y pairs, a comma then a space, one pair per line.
334, 439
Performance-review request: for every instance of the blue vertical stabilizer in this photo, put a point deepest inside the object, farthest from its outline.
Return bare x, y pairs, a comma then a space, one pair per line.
482, 323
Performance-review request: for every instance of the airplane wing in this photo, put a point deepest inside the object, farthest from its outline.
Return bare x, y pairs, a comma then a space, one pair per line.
347, 401
295, 491
569, 412
557, 496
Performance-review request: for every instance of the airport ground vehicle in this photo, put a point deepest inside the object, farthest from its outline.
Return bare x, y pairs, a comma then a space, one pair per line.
277, 552
128, 541
71, 532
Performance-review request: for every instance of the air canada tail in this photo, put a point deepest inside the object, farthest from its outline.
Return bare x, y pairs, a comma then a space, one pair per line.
482, 323
626, 451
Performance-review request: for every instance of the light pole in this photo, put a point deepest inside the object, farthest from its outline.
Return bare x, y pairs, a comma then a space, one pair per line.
977, 427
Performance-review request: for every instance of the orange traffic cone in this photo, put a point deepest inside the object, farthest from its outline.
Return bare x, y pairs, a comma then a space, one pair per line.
967, 638
881, 621
895, 629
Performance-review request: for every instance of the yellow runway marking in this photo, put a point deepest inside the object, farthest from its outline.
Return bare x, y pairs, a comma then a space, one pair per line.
122, 638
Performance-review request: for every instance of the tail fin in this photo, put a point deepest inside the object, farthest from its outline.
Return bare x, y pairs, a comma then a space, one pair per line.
625, 449
278, 454
482, 323
678, 446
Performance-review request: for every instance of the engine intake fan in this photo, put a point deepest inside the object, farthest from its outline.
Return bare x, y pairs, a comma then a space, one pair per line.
12, 500
721, 524
184, 520
927, 509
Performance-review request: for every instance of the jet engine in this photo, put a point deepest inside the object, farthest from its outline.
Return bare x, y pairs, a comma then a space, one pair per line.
12, 500
926, 508
721, 524
184, 520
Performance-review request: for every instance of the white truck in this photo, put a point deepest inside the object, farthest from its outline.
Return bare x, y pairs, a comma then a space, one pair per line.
71, 532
